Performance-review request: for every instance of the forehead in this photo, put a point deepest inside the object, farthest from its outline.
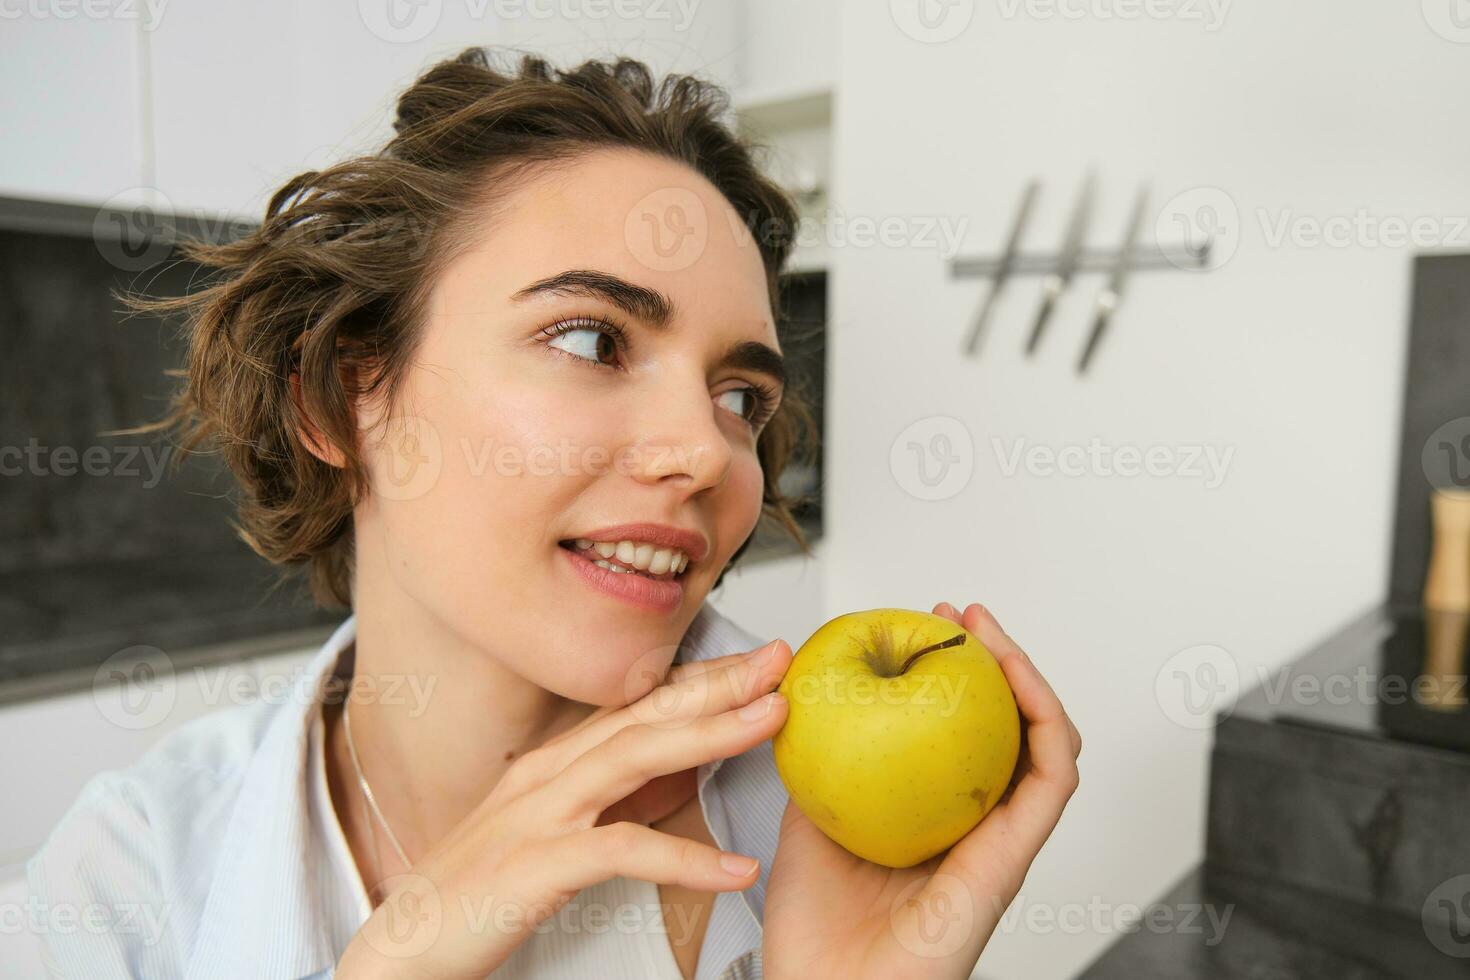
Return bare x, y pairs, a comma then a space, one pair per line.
647, 219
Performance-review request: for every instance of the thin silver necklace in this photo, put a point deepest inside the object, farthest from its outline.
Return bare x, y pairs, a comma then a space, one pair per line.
367, 791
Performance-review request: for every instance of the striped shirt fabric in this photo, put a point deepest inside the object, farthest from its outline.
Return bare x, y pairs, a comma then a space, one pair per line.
217, 854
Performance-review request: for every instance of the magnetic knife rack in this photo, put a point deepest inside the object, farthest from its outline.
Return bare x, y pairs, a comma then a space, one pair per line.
1092, 260
1062, 266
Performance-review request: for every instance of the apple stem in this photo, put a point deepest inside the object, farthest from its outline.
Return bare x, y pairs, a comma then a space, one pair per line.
953, 641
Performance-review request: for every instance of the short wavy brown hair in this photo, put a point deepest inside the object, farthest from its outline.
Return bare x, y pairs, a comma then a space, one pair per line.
332, 285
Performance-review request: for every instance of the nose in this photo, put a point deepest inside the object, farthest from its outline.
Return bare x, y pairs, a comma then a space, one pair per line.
678, 438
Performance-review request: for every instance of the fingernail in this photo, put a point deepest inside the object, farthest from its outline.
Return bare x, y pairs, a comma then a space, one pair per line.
738, 864
765, 654
759, 708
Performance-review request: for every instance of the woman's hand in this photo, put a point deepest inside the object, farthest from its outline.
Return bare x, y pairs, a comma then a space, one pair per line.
830, 913
574, 812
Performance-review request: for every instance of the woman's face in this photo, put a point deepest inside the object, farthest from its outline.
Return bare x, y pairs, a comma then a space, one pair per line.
603, 354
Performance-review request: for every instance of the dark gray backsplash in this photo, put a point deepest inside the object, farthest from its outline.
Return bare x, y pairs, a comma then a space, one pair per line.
104, 544
1436, 395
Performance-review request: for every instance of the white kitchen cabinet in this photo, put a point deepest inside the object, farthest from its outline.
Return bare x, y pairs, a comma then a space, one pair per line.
71, 116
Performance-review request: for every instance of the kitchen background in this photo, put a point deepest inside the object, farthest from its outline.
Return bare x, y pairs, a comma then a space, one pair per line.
1318, 147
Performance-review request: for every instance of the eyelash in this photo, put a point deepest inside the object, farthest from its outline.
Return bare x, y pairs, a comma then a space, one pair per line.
764, 394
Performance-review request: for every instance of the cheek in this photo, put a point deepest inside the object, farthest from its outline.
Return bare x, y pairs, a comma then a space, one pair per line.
745, 487
466, 488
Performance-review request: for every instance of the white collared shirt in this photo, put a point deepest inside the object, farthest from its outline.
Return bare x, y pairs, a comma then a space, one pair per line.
217, 854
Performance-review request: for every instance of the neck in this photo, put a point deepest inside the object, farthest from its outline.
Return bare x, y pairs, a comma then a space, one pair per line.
436, 722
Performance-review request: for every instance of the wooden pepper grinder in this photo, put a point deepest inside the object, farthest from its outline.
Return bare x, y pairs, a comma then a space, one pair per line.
1447, 598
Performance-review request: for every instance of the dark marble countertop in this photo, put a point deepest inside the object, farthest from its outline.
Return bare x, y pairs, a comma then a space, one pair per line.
1273, 932
63, 623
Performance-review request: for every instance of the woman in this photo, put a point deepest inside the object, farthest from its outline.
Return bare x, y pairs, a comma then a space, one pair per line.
511, 389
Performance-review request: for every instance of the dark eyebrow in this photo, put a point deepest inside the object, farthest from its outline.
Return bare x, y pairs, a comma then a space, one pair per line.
752, 355
648, 305
654, 309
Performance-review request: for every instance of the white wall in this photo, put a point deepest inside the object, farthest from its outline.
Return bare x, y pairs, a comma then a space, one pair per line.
1291, 356
785, 47
195, 107
72, 112
782, 597
331, 75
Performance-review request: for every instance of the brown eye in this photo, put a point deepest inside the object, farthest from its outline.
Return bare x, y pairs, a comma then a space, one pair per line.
746, 411
758, 407
588, 343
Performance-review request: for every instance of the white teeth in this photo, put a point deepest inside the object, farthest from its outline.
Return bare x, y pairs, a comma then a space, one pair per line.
615, 568
641, 555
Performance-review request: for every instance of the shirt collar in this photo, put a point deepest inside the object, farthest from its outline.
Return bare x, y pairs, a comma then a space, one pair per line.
264, 906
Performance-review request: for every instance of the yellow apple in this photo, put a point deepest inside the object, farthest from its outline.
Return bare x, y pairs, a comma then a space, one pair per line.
901, 735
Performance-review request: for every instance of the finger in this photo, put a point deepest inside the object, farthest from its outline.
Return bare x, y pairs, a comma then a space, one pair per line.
639, 753
676, 674
981, 622
1001, 642
655, 800
948, 612
693, 668
742, 679
572, 862
1049, 733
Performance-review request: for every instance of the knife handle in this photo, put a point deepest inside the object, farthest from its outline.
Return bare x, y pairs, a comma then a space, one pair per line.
1447, 582
1051, 289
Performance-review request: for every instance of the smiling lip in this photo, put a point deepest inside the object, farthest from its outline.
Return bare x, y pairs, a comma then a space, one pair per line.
654, 595
692, 543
